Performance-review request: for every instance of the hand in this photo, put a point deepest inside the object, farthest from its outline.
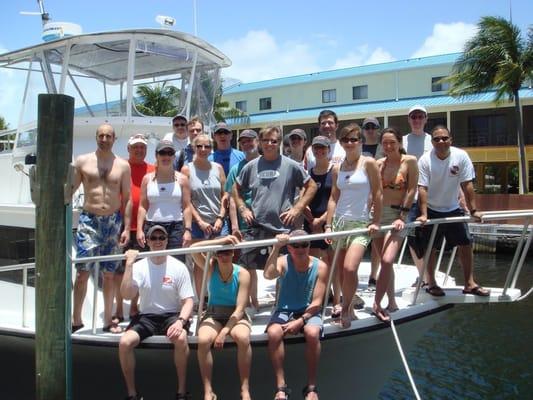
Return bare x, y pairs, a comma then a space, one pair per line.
476, 215
141, 240
373, 228
398, 224
292, 327
316, 225
230, 239
423, 219
248, 216
282, 240
175, 329
217, 226
206, 228
186, 239
328, 230
238, 234
124, 238
289, 217
220, 339
131, 255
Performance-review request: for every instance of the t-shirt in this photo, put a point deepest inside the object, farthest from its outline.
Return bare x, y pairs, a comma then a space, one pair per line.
162, 287
227, 158
138, 171
443, 178
336, 155
273, 186
416, 145
372, 150
246, 195
179, 144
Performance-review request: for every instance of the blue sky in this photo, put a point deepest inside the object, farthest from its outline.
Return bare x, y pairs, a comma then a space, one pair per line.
275, 38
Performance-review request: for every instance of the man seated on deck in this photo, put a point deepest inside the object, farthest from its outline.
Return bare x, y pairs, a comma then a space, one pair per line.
106, 183
443, 171
302, 287
165, 289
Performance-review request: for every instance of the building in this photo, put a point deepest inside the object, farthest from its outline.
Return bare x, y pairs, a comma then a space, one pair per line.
386, 91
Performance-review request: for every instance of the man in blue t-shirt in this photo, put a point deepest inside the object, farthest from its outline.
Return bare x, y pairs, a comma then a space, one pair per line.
224, 154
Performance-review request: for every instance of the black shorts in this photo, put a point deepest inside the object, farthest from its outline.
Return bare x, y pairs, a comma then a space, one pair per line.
456, 234
132, 244
316, 244
147, 325
255, 257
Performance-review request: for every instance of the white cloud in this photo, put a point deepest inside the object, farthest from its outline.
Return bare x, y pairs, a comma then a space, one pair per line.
446, 38
363, 56
258, 56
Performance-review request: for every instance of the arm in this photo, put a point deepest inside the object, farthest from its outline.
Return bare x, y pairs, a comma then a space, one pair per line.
128, 289
186, 209
377, 193
184, 315
234, 218
306, 195
332, 202
141, 212
199, 258
242, 300
126, 204
423, 203
76, 179
224, 201
275, 265
412, 182
470, 198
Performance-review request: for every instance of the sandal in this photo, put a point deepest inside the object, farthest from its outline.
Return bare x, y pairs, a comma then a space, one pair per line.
477, 291
435, 291
283, 389
381, 314
77, 327
309, 389
113, 328
184, 396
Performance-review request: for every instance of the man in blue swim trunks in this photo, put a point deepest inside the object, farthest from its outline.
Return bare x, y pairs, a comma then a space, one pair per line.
106, 183
302, 286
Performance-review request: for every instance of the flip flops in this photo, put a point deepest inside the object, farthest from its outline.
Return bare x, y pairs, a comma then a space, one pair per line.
477, 291
435, 291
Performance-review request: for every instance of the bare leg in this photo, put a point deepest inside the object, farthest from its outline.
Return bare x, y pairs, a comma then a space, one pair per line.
206, 336
198, 275
253, 288
241, 335
466, 258
127, 344
80, 290
119, 312
353, 257
375, 255
109, 291
181, 354
390, 245
276, 349
312, 352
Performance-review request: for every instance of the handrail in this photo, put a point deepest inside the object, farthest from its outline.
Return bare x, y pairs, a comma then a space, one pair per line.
514, 271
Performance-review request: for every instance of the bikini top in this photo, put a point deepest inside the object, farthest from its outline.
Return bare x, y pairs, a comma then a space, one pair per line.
399, 182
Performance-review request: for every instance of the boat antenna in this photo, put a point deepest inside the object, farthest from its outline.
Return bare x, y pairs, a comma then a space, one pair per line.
45, 17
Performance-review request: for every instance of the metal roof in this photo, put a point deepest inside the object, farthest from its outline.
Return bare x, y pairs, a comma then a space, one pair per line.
345, 72
390, 107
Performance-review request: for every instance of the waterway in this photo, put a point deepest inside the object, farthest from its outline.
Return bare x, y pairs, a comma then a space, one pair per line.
475, 351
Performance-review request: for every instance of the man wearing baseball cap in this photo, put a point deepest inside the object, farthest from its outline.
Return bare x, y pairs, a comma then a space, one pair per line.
297, 141
371, 145
224, 154
165, 289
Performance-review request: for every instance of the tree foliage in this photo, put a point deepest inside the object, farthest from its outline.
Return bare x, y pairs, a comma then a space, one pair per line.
158, 100
3, 124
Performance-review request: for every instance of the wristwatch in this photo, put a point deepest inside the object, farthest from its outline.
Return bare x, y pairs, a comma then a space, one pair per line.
304, 319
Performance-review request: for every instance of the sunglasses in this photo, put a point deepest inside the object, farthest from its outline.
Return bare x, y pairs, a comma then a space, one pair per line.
417, 116
224, 252
350, 140
159, 238
222, 133
179, 125
269, 141
203, 146
169, 153
372, 127
439, 139
301, 245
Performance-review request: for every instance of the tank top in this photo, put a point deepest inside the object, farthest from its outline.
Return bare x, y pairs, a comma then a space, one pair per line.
206, 191
354, 188
319, 204
164, 201
296, 288
223, 293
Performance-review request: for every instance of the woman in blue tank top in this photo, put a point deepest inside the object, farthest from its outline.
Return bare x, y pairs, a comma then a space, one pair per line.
229, 288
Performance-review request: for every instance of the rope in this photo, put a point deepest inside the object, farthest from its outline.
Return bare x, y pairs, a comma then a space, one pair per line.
404, 360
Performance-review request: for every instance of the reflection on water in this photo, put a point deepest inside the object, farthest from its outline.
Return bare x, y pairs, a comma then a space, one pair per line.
476, 351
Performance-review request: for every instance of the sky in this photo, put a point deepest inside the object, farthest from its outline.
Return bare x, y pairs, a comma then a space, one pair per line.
270, 39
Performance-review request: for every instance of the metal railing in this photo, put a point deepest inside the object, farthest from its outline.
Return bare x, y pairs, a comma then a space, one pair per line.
510, 282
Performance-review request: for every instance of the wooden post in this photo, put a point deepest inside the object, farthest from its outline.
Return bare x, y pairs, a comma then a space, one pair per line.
52, 248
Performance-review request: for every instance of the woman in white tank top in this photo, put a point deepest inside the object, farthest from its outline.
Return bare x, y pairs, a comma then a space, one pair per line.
165, 200
356, 189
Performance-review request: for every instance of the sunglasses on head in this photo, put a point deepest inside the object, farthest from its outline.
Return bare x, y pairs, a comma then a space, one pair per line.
160, 238
350, 140
438, 139
301, 245
203, 146
169, 153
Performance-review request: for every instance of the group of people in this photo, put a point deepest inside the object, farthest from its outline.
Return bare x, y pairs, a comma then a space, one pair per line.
202, 193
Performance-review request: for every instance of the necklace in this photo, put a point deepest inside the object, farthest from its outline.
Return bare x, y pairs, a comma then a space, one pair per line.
225, 279
350, 164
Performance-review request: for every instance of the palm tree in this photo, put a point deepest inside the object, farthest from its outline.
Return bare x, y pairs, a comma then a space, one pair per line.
224, 111
497, 58
159, 100
3, 124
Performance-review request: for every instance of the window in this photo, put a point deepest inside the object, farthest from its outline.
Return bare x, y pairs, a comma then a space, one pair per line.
489, 130
329, 96
241, 105
360, 92
438, 86
265, 103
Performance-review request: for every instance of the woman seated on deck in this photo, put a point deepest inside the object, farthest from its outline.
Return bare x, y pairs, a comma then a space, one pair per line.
229, 288
399, 178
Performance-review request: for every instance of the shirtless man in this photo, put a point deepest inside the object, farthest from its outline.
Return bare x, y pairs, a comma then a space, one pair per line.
106, 183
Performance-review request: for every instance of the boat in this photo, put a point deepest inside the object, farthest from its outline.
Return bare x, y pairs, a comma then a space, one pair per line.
355, 362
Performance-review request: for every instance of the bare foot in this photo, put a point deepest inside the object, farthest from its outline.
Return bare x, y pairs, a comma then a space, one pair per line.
380, 313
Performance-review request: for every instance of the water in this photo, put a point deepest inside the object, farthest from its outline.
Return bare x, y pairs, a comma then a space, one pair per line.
476, 351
